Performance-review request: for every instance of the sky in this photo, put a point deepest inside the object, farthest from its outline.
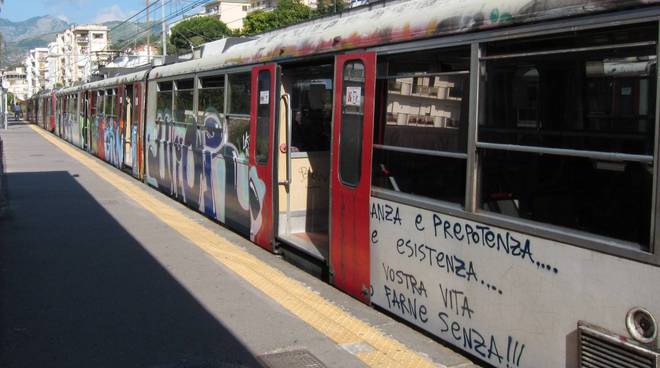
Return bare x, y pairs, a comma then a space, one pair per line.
77, 11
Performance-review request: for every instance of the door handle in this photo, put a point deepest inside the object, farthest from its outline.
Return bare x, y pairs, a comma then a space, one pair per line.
287, 103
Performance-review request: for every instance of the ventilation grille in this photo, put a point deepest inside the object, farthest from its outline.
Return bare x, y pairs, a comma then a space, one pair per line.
599, 348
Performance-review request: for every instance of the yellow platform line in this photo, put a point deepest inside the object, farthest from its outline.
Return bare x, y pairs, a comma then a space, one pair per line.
327, 318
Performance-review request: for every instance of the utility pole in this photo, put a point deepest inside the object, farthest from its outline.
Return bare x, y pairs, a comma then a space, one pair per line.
148, 36
5, 90
162, 22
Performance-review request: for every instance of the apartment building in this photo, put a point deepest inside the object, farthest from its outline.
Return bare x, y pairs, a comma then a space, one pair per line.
16, 80
55, 64
76, 53
232, 12
36, 70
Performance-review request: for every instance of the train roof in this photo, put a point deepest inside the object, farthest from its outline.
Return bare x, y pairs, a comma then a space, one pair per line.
122, 79
392, 22
67, 90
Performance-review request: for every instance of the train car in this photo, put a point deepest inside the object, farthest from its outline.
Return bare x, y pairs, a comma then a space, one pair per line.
111, 117
45, 109
484, 170
68, 115
30, 110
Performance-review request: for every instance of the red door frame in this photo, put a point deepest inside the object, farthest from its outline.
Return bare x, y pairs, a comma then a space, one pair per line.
137, 119
53, 105
261, 186
349, 221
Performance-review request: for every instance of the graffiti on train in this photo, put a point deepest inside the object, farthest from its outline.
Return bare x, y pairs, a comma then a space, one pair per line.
113, 140
206, 166
456, 278
135, 158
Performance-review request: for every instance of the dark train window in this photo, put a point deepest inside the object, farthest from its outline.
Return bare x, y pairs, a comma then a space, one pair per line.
185, 84
311, 104
239, 93
263, 116
211, 97
440, 178
352, 112
164, 102
422, 124
109, 103
568, 111
595, 101
183, 102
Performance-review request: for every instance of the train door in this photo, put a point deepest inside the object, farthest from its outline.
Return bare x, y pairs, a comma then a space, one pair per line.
137, 129
53, 110
85, 96
58, 112
350, 183
303, 157
127, 118
262, 119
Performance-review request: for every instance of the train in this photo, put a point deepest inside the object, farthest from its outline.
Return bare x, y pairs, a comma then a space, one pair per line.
483, 170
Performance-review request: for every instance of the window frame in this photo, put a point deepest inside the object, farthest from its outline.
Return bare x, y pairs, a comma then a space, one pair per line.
582, 239
228, 111
199, 86
225, 112
175, 90
428, 152
171, 91
261, 158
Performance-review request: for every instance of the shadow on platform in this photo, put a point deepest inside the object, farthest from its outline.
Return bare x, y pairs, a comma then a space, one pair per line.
77, 290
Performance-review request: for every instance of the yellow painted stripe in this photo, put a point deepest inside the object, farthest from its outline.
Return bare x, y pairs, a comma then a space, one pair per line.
321, 314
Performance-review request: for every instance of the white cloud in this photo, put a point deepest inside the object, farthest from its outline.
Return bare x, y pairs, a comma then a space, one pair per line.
64, 18
112, 13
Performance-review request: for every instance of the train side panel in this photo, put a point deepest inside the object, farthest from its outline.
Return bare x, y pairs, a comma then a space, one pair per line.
206, 168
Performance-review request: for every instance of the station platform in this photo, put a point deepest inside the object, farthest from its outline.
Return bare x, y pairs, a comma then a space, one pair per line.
100, 270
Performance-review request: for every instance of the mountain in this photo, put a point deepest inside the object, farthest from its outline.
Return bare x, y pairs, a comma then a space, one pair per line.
19, 37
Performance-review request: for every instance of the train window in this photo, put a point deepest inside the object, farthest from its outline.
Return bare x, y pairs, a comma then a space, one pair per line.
238, 133
164, 103
185, 84
211, 98
104, 104
183, 102
350, 137
311, 104
239, 93
263, 116
94, 103
165, 86
110, 103
566, 137
420, 141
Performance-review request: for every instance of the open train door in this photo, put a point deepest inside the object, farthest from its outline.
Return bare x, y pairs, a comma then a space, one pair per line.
350, 183
262, 121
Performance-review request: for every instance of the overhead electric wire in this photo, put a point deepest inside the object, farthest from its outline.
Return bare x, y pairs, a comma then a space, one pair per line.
148, 27
171, 16
134, 15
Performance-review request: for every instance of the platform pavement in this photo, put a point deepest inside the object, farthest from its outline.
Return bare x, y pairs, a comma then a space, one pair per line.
90, 278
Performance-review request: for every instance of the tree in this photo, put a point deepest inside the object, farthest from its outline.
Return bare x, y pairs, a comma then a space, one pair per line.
258, 21
287, 12
196, 31
329, 6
